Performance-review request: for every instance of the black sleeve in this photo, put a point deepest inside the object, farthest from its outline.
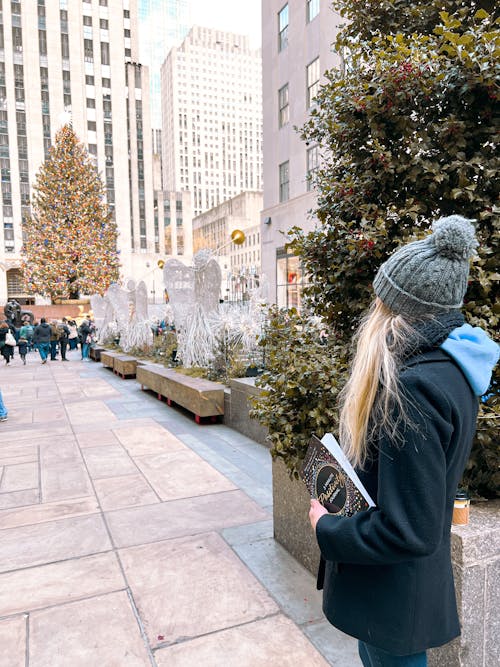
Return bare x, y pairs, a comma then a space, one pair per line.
408, 519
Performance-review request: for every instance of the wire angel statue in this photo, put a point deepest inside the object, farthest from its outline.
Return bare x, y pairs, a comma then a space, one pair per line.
194, 296
137, 330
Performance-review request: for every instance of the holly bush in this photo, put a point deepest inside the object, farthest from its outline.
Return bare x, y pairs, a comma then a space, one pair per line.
408, 132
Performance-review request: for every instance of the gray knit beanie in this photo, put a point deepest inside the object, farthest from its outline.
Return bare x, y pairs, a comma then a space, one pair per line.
429, 276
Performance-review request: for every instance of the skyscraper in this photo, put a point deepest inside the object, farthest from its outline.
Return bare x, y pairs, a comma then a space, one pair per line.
63, 59
212, 117
296, 52
162, 25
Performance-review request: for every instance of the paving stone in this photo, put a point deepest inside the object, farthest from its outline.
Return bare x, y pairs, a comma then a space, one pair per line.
18, 477
19, 498
141, 441
57, 583
108, 461
96, 439
28, 546
181, 474
290, 584
271, 641
186, 516
13, 642
339, 649
98, 631
78, 413
65, 480
39, 513
125, 491
176, 582
50, 414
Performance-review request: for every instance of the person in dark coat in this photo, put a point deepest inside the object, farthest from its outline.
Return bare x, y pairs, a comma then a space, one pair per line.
41, 338
23, 346
63, 331
407, 421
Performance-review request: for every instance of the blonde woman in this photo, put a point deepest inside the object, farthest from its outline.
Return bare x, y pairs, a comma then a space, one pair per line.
407, 422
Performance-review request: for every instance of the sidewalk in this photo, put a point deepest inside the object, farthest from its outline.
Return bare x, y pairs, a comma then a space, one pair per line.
129, 535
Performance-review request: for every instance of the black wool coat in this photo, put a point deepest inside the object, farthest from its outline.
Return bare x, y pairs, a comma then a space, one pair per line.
386, 572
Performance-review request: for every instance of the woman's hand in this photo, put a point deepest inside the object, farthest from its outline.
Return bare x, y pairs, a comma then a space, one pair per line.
315, 513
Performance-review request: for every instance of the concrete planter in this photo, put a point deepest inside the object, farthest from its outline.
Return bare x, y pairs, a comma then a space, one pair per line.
476, 564
237, 407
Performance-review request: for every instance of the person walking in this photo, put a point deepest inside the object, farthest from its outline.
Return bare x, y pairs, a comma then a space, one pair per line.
26, 331
22, 344
7, 342
63, 331
3, 410
86, 338
54, 338
73, 335
41, 338
407, 421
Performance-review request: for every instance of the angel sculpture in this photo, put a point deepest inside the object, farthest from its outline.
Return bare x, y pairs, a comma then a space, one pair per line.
194, 296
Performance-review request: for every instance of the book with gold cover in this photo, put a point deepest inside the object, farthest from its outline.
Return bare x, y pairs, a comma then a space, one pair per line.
331, 479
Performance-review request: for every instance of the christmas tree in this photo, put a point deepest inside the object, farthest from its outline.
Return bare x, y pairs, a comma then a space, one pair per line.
70, 239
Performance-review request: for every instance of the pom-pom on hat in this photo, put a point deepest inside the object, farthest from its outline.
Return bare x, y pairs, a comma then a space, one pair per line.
429, 276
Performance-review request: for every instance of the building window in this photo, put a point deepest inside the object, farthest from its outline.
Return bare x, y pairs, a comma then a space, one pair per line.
312, 165
312, 81
289, 280
104, 53
283, 28
312, 9
88, 50
284, 174
284, 109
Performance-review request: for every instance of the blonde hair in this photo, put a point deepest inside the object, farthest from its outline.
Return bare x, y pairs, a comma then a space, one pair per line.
371, 400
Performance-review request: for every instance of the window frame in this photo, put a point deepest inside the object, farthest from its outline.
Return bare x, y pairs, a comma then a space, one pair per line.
312, 86
283, 28
284, 185
283, 106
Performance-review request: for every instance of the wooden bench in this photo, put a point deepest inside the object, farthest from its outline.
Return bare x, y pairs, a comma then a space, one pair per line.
95, 352
201, 397
108, 358
125, 366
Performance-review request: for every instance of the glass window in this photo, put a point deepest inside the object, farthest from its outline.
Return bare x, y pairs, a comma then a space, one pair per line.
312, 164
312, 81
283, 28
284, 175
284, 109
88, 50
289, 280
104, 53
312, 9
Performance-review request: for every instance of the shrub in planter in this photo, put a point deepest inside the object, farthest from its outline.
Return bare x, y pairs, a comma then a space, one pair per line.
303, 375
407, 133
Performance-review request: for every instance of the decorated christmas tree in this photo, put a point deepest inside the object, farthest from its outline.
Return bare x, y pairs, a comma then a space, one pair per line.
70, 239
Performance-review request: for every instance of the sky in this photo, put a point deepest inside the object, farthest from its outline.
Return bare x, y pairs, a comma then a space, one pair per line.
231, 15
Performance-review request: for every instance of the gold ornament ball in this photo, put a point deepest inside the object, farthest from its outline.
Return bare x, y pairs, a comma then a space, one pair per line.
238, 237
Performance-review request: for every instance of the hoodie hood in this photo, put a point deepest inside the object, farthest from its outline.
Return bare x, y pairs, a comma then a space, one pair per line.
476, 354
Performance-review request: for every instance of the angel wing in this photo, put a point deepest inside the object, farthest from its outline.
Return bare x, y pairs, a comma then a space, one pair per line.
141, 302
207, 284
179, 282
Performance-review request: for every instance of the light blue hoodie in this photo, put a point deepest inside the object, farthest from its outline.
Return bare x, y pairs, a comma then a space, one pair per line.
476, 354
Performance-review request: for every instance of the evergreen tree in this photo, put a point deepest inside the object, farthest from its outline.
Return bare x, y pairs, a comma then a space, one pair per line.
70, 240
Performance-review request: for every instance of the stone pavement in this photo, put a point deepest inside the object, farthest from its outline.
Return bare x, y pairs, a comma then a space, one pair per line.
129, 535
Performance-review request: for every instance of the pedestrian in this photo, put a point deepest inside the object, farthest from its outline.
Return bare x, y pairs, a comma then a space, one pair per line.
54, 338
3, 409
86, 339
26, 331
73, 335
22, 344
7, 342
63, 331
407, 421
41, 338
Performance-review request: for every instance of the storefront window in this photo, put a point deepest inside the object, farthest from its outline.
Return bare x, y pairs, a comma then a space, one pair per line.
289, 280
